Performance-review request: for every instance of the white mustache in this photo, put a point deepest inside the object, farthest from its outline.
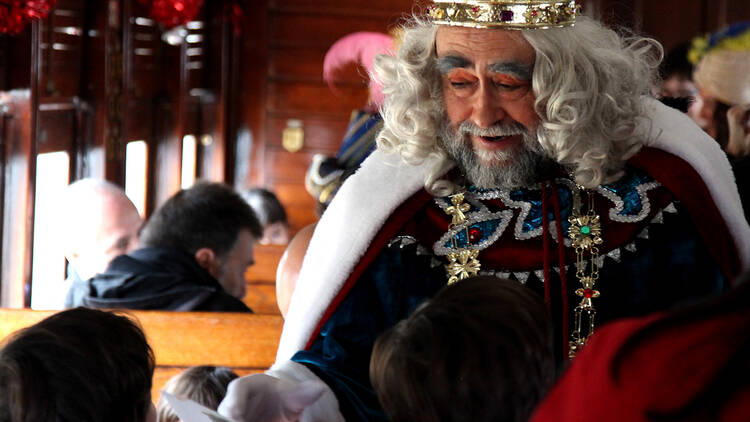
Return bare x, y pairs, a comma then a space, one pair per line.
469, 128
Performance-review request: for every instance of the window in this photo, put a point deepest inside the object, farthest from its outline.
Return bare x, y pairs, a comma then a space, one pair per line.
136, 160
48, 268
189, 153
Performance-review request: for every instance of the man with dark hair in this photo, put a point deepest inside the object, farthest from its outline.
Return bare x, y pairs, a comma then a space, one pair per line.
677, 73
192, 256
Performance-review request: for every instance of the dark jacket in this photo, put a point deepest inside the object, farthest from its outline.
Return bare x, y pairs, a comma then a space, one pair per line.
158, 278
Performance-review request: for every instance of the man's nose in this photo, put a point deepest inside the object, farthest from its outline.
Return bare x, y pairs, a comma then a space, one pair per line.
487, 108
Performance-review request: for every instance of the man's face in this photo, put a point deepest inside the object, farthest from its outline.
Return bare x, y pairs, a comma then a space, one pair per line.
275, 234
232, 267
111, 231
118, 233
677, 86
702, 111
488, 102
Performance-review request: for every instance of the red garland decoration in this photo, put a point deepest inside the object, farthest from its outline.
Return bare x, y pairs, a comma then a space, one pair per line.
237, 16
15, 14
171, 13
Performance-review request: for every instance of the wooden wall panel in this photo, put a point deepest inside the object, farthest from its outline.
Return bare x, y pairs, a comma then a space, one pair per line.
300, 206
288, 167
319, 30
305, 98
296, 35
737, 10
670, 21
62, 50
294, 64
349, 7
656, 14
57, 128
18, 200
321, 134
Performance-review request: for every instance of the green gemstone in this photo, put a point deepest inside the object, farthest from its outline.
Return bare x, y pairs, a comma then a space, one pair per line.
586, 230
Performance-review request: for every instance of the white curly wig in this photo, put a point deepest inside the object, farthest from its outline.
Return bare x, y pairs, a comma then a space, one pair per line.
588, 82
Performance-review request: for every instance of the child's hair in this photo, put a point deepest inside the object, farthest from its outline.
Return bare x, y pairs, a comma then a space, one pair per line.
265, 205
480, 350
206, 385
76, 365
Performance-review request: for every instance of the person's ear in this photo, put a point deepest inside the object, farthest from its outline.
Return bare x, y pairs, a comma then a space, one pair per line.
70, 255
206, 258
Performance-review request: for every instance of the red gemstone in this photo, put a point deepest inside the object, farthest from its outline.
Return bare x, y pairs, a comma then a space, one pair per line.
474, 234
588, 293
534, 13
475, 9
506, 15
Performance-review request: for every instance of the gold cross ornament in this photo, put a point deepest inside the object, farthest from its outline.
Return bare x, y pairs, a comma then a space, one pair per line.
458, 209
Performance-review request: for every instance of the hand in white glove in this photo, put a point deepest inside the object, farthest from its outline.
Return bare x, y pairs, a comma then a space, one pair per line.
263, 398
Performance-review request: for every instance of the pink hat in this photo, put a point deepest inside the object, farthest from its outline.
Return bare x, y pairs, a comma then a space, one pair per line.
360, 47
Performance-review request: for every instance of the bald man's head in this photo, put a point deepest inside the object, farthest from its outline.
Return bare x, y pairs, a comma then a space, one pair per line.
99, 222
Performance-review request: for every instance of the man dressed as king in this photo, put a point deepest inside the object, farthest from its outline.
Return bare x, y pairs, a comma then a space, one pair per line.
520, 140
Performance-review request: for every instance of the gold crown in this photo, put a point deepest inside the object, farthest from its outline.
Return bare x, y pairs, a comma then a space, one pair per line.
518, 14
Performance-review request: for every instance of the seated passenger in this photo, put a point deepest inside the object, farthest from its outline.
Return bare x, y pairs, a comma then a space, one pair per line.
77, 365
723, 81
271, 215
206, 385
690, 364
480, 350
98, 222
193, 255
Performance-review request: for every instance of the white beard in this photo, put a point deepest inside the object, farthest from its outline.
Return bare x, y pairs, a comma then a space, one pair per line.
492, 169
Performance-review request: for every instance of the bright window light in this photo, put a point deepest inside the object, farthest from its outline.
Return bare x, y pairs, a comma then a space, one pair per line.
136, 158
189, 153
48, 269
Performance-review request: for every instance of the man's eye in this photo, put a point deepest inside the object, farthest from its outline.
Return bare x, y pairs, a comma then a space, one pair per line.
122, 244
507, 86
460, 84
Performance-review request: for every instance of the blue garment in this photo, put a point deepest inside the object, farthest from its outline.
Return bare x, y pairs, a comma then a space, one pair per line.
359, 139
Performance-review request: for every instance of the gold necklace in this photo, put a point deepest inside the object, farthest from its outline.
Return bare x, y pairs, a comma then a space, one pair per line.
585, 233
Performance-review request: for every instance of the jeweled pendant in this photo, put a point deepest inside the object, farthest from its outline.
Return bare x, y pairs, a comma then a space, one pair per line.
462, 264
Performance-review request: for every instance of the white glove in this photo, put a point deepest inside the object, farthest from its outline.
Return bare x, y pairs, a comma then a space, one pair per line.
263, 398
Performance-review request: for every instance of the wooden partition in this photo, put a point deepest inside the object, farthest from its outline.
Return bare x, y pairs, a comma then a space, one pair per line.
261, 279
246, 343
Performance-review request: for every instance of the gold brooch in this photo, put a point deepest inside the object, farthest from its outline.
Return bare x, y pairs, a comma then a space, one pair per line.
462, 263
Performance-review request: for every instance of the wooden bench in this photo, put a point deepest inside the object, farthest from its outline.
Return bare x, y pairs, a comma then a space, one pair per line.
260, 280
246, 343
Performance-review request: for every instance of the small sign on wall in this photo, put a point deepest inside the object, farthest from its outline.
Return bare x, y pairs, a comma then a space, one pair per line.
293, 136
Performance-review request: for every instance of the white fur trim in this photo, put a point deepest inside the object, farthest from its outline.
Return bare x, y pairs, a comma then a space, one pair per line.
675, 133
342, 236
383, 182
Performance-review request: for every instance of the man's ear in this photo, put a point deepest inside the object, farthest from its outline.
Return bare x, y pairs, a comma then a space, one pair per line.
206, 258
70, 255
